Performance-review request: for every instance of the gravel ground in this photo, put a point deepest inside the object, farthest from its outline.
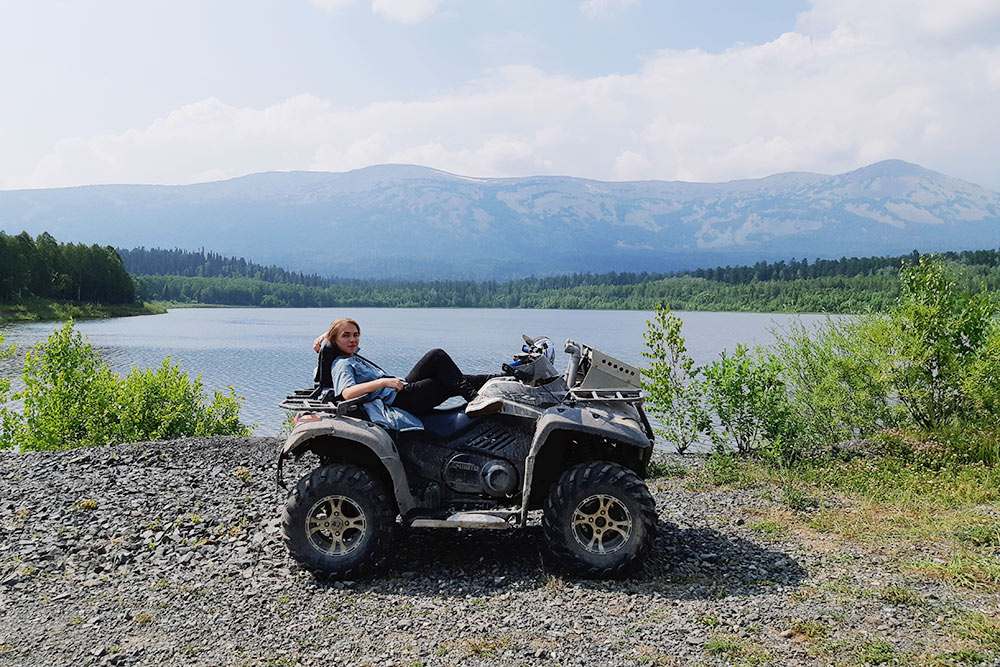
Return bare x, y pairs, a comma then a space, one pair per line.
170, 552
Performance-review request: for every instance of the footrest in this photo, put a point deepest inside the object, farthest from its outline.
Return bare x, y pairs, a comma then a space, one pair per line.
464, 520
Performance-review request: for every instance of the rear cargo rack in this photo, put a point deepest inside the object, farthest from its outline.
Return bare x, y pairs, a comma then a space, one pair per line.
633, 396
301, 401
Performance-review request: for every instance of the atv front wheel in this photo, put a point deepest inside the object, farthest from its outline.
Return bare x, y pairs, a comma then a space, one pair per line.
599, 520
338, 521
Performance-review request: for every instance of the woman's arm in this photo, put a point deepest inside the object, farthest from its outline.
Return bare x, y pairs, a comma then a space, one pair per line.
356, 390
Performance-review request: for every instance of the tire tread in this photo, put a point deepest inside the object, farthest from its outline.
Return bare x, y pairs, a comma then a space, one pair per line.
569, 486
344, 478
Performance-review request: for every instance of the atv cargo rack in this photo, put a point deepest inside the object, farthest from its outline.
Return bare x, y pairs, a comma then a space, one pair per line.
632, 396
302, 401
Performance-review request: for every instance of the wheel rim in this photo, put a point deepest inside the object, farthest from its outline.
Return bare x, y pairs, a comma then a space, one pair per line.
601, 524
336, 525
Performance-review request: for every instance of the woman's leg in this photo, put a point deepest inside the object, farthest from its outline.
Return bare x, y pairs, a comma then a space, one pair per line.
433, 380
437, 365
422, 396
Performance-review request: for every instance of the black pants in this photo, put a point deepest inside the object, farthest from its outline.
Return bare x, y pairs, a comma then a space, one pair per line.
433, 380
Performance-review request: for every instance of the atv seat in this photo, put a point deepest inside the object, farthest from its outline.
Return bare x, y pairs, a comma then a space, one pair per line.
446, 423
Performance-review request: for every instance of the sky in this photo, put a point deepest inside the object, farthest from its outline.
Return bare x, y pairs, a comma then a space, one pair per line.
185, 91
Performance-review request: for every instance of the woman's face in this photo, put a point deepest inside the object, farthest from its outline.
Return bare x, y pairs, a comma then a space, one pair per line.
348, 339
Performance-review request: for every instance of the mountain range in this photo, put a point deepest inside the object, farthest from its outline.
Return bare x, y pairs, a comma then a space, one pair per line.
401, 221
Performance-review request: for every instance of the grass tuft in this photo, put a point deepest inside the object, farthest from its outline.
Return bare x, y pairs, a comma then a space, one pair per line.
965, 568
980, 628
735, 648
811, 629
663, 469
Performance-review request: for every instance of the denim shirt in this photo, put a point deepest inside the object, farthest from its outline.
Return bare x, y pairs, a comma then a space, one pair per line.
352, 370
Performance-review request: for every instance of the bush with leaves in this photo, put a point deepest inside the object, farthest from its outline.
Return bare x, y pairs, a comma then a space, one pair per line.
675, 393
72, 398
981, 383
66, 394
7, 419
932, 361
938, 345
165, 403
748, 396
835, 390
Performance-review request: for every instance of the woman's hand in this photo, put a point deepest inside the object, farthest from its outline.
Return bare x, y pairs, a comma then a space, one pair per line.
393, 383
318, 343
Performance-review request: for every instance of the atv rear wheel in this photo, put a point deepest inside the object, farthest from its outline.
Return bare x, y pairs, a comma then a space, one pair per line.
599, 520
338, 521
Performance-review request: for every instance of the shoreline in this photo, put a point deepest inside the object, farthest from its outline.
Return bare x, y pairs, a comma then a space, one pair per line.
177, 304
43, 310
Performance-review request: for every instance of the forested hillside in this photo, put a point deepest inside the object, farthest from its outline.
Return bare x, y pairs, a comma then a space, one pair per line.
43, 268
177, 262
844, 285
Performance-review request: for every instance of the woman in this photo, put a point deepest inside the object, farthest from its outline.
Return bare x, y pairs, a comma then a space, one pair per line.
392, 402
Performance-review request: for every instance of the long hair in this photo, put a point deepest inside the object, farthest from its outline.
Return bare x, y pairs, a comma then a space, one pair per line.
336, 327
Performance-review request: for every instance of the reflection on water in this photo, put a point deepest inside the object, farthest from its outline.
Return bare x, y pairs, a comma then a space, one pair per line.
266, 352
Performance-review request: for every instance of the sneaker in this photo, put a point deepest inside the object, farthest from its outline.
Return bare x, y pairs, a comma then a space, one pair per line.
484, 406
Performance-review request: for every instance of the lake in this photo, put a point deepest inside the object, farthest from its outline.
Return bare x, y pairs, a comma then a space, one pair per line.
265, 353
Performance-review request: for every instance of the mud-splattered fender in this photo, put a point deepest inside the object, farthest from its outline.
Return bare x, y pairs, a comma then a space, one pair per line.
621, 423
352, 432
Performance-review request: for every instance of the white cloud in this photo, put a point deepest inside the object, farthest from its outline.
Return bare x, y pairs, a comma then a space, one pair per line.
406, 11
593, 9
631, 166
925, 22
402, 11
332, 5
845, 90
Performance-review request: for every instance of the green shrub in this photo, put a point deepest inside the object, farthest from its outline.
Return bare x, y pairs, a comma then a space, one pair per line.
72, 399
932, 362
749, 399
930, 366
66, 394
723, 468
7, 422
675, 393
981, 382
165, 403
941, 345
830, 373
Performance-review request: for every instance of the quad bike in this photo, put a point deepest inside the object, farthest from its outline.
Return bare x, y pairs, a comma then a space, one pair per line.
575, 445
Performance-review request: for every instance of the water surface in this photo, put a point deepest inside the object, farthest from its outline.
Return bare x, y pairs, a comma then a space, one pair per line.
266, 352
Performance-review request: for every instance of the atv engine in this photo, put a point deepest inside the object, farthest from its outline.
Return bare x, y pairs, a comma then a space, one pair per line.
471, 473
478, 460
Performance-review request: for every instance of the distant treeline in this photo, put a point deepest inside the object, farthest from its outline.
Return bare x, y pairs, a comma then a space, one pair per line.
43, 268
201, 264
683, 293
177, 262
844, 285
829, 268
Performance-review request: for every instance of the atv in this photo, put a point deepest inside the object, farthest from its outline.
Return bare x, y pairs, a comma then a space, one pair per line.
574, 445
